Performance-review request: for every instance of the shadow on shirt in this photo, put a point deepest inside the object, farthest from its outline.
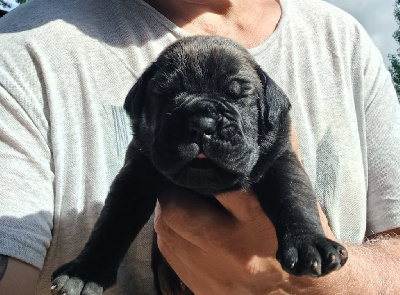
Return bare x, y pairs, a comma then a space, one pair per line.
112, 22
33, 239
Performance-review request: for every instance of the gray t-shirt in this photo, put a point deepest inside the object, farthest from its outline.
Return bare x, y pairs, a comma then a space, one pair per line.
66, 67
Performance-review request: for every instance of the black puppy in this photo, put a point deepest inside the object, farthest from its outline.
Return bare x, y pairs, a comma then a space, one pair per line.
205, 117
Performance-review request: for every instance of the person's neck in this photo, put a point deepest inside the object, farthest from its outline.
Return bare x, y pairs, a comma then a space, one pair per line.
249, 22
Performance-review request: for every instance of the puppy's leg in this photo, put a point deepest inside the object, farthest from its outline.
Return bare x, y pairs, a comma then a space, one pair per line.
129, 205
286, 195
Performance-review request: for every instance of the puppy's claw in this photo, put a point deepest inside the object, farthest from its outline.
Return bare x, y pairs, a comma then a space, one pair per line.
343, 256
314, 266
54, 289
332, 258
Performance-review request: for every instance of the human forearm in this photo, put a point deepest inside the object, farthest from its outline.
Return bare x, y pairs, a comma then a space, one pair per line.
238, 257
19, 278
372, 268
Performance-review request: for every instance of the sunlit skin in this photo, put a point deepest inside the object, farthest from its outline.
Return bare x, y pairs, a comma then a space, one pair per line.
216, 253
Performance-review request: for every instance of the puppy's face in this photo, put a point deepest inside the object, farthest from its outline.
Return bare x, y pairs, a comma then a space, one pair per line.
197, 111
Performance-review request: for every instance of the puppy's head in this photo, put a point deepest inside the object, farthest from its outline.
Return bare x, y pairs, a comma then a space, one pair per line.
201, 111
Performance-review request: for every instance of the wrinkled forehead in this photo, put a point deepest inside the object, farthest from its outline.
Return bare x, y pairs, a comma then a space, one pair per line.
204, 66
206, 57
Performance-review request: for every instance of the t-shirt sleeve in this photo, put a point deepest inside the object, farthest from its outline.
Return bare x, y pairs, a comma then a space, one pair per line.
382, 119
26, 173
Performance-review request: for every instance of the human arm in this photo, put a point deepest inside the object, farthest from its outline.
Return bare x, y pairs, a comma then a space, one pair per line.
26, 194
373, 269
218, 253
19, 278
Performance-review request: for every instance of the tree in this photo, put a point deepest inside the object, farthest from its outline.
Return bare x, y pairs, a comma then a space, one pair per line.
6, 4
394, 69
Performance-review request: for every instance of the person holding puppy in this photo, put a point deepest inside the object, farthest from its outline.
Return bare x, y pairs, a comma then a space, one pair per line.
64, 77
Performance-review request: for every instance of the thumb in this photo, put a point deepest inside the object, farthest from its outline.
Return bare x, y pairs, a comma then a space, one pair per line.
243, 205
192, 216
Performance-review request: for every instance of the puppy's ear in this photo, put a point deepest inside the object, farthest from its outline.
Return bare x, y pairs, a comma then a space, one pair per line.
277, 104
135, 99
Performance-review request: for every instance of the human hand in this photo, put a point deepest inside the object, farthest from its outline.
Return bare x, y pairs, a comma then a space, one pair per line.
232, 252
216, 252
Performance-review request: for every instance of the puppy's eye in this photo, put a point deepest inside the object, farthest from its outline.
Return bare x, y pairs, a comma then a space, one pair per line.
240, 89
235, 89
162, 92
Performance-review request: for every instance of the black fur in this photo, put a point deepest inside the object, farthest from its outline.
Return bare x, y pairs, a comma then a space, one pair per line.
204, 96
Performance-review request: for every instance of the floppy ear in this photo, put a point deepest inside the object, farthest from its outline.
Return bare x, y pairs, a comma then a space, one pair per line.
276, 104
135, 99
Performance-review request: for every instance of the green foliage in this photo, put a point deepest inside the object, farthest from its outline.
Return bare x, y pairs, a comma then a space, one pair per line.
394, 69
6, 4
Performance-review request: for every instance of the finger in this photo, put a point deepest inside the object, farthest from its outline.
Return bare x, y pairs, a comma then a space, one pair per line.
181, 266
294, 141
197, 268
243, 205
325, 224
168, 237
193, 218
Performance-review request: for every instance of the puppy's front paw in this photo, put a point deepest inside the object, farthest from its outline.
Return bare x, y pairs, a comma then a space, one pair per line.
311, 255
69, 279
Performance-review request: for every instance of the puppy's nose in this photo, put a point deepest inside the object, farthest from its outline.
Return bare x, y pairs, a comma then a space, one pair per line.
199, 126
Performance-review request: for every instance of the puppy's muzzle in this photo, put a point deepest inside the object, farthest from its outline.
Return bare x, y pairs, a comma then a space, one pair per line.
202, 127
